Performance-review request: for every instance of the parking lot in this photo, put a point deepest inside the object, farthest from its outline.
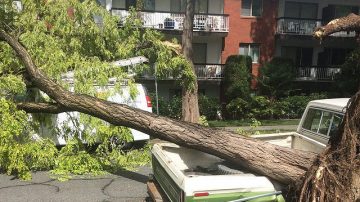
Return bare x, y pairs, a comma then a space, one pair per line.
123, 186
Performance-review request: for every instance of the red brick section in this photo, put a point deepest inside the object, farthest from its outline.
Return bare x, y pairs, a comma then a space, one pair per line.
244, 29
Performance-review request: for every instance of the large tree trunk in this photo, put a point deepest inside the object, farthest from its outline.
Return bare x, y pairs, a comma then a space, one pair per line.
279, 163
190, 106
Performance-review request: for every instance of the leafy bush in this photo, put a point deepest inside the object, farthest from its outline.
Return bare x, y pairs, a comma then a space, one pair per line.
261, 107
238, 109
208, 107
348, 79
265, 108
276, 77
237, 77
170, 108
294, 106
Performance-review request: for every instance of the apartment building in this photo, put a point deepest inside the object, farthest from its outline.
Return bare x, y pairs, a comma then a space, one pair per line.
263, 29
296, 22
211, 26
252, 29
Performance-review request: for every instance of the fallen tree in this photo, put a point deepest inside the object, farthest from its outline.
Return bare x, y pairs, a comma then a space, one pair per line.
282, 164
327, 180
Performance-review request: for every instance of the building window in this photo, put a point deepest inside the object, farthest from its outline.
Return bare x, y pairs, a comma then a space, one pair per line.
201, 6
251, 7
301, 10
342, 11
333, 56
199, 50
148, 5
301, 56
336, 11
252, 50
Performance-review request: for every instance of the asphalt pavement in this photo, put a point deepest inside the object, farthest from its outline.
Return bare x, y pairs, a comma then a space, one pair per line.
124, 186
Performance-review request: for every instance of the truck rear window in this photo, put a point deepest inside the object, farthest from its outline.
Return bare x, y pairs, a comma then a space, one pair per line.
322, 122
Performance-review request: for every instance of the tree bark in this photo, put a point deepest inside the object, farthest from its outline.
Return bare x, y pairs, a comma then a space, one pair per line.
282, 164
190, 106
348, 23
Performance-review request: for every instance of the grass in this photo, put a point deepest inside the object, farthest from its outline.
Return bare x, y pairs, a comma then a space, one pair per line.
232, 123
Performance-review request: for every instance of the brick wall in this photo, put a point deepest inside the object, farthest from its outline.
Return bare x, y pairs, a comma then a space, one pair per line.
244, 29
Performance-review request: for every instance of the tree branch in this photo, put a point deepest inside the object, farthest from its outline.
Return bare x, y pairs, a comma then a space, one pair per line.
43, 107
348, 23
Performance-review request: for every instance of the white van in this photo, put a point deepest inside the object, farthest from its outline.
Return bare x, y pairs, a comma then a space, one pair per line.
70, 120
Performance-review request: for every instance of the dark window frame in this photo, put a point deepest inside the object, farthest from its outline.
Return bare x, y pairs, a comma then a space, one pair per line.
250, 47
251, 9
301, 4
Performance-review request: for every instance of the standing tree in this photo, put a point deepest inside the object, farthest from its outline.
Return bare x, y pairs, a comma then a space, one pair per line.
190, 106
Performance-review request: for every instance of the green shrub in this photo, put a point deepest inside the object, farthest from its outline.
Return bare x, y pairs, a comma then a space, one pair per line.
261, 107
208, 107
238, 108
237, 77
294, 106
348, 79
276, 77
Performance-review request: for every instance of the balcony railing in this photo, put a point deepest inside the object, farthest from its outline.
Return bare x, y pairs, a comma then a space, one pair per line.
174, 21
317, 73
209, 71
299, 26
203, 71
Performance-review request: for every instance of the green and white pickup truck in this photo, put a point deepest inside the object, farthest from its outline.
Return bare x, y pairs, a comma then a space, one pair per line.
186, 175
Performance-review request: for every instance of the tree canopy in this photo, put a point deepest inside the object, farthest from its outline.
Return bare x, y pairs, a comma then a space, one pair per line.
79, 37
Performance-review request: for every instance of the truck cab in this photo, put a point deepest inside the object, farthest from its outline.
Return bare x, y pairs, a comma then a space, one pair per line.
320, 120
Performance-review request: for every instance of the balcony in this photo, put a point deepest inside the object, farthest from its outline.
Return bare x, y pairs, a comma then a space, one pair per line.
174, 21
317, 73
203, 72
209, 71
299, 26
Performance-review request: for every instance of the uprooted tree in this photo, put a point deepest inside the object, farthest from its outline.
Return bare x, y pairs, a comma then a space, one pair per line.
329, 176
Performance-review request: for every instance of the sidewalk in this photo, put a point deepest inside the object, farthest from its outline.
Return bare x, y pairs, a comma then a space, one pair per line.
259, 128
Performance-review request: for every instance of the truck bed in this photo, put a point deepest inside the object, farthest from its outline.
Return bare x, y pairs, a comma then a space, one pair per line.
183, 172
293, 140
